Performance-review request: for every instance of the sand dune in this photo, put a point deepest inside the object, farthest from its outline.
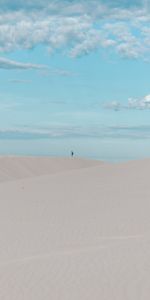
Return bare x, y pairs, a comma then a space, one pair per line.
12, 167
81, 231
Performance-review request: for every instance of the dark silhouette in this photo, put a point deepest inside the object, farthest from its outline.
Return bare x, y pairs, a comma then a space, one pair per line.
72, 153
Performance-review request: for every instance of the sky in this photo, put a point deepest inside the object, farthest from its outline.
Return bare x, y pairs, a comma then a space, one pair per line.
74, 75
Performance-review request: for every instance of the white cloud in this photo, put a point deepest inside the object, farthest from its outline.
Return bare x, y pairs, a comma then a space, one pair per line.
78, 26
133, 103
143, 103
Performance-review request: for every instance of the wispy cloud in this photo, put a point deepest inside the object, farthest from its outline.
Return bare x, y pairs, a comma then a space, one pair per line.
8, 106
45, 70
67, 131
12, 64
56, 72
19, 81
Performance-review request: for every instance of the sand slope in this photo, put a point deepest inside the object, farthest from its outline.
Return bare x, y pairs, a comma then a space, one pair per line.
79, 234
12, 167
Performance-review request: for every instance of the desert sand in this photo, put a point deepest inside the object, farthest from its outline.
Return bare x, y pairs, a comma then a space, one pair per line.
74, 229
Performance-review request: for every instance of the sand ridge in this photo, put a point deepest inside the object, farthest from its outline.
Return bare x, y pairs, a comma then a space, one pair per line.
14, 167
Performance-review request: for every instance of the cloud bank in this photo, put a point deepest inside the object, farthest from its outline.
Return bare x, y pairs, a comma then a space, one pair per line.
76, 27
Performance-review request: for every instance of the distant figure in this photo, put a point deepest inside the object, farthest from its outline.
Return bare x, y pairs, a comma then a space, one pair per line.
72, 153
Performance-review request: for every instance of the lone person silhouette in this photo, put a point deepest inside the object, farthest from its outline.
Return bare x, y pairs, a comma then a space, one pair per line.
72, 153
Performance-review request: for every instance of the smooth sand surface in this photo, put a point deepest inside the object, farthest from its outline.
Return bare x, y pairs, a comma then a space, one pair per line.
78, 231
13, 167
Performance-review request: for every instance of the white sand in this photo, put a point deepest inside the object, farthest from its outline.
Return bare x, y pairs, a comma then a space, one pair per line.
80, 231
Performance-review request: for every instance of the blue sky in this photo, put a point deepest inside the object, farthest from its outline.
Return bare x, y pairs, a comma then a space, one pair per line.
75, 74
